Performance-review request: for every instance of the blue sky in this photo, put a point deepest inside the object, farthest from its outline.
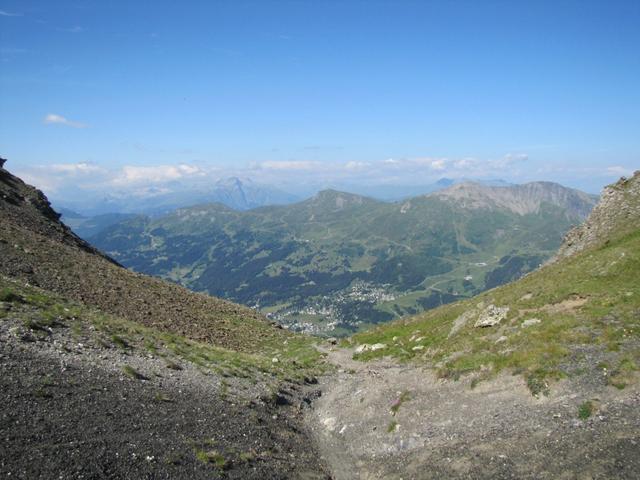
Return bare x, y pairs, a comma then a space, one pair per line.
117, 95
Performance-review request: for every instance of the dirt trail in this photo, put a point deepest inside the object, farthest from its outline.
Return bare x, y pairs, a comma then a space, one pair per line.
382, 420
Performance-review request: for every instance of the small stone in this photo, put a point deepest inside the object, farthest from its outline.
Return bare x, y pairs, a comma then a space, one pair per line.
531, 321
274, 360
330, 423
377, 346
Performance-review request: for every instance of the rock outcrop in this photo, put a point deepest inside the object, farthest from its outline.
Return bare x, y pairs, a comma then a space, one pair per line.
618, 211
521, 199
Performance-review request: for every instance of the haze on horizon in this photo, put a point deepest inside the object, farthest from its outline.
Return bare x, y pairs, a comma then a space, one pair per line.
143, 97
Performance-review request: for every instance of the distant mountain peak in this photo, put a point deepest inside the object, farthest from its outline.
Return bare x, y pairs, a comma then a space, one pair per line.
445, 182
331, 193
341, 199
231, 182
521, 199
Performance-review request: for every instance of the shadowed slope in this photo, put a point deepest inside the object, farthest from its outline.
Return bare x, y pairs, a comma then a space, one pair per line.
37, 248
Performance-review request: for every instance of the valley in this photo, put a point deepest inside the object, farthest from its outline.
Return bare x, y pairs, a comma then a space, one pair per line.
339, 263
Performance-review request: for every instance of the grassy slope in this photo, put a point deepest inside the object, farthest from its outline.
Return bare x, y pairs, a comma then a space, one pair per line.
36, 249
40, 311
588, 302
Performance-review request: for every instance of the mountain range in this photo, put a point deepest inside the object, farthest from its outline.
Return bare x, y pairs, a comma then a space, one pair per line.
107, 373
236, 193
338, 261
239, 194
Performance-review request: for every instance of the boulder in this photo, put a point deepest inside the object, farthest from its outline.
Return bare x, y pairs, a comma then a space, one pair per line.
491, 316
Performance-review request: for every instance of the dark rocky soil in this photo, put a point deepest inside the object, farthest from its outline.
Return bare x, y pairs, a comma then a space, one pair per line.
69, 410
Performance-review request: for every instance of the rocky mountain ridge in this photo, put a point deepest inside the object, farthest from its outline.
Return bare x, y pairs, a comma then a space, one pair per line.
616, 214
520, 199
22, 204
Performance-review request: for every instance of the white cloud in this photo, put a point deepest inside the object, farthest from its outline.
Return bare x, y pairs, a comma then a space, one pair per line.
41, 180
4, 13
83, 168
356, 166
144, 180
617, 170
601, 172
290, 165
54, 119
465, 163
438, 164
510, 159
436, 167
60, 176
130, 175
